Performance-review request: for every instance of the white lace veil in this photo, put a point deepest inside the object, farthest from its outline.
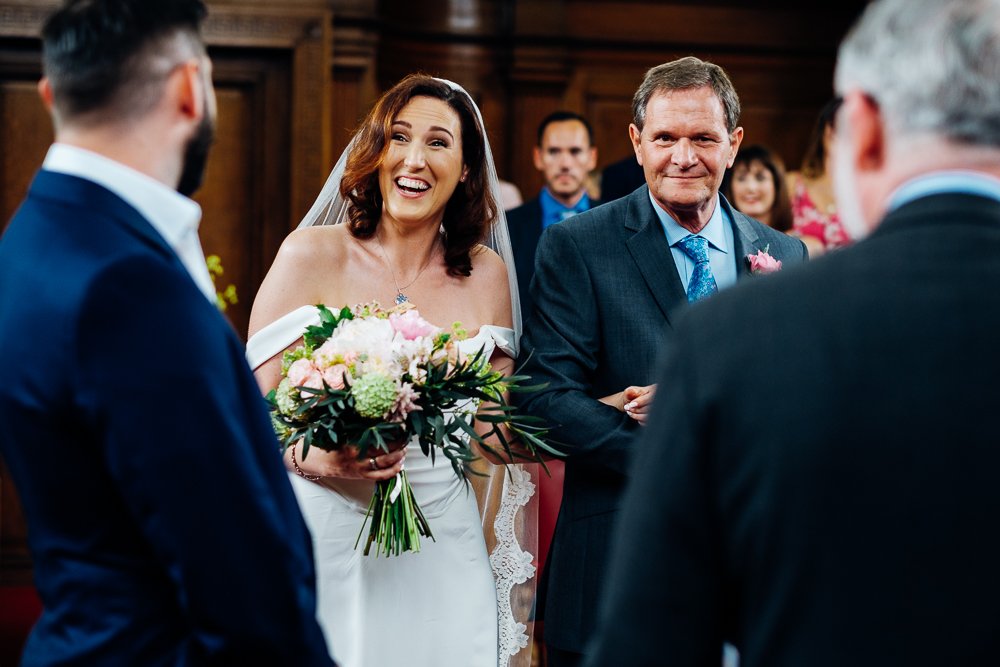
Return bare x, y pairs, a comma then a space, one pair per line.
507, 502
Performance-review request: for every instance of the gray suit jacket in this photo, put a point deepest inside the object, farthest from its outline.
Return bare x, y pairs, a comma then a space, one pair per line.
605, 291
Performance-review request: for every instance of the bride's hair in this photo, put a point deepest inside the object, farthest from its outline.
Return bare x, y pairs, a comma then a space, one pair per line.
471, 208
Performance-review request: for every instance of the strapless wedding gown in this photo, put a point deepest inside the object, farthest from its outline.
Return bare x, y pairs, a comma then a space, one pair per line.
434, 608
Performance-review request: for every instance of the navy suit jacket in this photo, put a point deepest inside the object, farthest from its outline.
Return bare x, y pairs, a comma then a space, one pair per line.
605, 290
827, 495
162, 526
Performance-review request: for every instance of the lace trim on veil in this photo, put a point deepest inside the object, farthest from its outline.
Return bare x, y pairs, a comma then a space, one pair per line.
511, 564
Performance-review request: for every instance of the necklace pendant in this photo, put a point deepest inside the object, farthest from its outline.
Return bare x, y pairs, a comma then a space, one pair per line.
400, 298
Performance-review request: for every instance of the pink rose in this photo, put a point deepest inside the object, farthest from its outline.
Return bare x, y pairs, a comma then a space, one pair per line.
302, 373
411, 325
762, 262
334, 376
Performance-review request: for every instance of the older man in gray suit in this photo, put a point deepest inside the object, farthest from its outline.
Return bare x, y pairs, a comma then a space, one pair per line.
608, 282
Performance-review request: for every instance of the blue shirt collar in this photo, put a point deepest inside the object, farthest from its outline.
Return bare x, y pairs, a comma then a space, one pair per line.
553, 211
946, 181
714, 232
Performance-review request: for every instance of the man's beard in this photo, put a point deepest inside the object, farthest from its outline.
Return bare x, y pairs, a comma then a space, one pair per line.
195, 156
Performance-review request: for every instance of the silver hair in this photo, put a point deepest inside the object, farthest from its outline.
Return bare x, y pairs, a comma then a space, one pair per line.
683, 74
932, 66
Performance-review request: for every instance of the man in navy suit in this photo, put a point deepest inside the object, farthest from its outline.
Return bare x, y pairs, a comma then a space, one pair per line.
162, 527
818, 483
608, 283
565, 155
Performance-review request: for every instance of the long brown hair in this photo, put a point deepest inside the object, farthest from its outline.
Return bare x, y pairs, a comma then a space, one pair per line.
470, 210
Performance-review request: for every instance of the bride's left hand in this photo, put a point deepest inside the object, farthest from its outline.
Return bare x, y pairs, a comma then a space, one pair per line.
344, 462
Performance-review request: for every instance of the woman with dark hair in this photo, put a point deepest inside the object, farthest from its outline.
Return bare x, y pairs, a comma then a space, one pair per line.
417, 193
814, 210
755, 185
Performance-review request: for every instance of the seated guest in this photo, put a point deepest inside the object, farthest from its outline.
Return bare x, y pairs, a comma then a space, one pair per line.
565, 154
814, 210
755, 185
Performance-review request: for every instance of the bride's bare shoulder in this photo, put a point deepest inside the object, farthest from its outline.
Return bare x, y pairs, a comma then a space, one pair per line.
310, 243
487, 264
489, 281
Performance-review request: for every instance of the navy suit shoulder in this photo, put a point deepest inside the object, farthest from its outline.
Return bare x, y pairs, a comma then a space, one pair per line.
825, 384
140, 393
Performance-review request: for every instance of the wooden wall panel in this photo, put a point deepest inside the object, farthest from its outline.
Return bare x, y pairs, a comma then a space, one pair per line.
25, 134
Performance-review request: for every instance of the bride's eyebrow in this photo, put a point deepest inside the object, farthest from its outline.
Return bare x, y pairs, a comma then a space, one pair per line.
432, 127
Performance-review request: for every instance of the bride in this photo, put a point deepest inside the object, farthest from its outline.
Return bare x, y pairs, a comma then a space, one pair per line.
418, 193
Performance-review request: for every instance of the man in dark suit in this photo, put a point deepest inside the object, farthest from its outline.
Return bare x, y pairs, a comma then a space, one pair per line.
608, 283
819, 481
565, 155
162, 527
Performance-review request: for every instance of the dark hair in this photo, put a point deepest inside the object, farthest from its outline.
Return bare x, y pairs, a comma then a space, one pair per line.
99, 54
814, 160
684, 74
781, 209
561, 116
471, 209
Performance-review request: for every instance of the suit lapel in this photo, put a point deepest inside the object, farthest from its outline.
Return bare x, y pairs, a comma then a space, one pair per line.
647, 244
745, 239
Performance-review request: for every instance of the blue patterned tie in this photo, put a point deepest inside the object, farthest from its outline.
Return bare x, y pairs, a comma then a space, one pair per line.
702, 282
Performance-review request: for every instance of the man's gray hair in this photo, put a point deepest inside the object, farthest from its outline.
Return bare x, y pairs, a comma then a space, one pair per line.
683, 74
932, 66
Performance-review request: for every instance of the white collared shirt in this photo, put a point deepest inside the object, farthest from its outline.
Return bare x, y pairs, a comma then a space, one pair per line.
721, 244
172, 215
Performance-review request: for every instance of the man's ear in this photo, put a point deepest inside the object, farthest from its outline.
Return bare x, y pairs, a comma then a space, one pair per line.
537, 156
45, 92
862, 119
592, 158
735, 139
186, 93
636, 137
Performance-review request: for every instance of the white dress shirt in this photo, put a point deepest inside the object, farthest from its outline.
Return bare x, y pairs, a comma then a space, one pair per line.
172, 215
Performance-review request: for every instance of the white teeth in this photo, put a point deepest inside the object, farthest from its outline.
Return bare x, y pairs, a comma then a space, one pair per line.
411, 183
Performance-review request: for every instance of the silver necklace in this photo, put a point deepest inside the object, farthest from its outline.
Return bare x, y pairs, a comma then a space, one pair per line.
400, 297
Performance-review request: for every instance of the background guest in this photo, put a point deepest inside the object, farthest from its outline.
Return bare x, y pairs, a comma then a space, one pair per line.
756, 186
565, 154
814, 208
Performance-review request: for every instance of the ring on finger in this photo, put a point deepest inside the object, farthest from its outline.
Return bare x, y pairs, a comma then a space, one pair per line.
373, 463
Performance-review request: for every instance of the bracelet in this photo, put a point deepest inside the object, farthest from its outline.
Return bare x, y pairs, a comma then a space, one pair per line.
298, 470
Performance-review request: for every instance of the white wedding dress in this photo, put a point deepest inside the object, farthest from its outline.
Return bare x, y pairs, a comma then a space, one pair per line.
435, 608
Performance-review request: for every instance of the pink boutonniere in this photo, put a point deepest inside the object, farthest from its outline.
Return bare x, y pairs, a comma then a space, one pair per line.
762, 262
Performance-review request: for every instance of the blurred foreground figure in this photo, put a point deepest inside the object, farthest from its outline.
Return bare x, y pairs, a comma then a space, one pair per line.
163, 529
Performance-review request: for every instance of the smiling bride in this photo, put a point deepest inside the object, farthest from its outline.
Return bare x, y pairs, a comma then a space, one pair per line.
416, 191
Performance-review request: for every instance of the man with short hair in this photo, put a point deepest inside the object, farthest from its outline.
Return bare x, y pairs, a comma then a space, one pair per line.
608, 283
162, 526
819, 480
565, 155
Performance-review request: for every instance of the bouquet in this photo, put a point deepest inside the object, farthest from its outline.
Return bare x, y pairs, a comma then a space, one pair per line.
369, 378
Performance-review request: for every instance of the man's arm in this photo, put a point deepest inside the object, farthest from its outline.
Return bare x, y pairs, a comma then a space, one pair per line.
189, 448
663, 603
561, 347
